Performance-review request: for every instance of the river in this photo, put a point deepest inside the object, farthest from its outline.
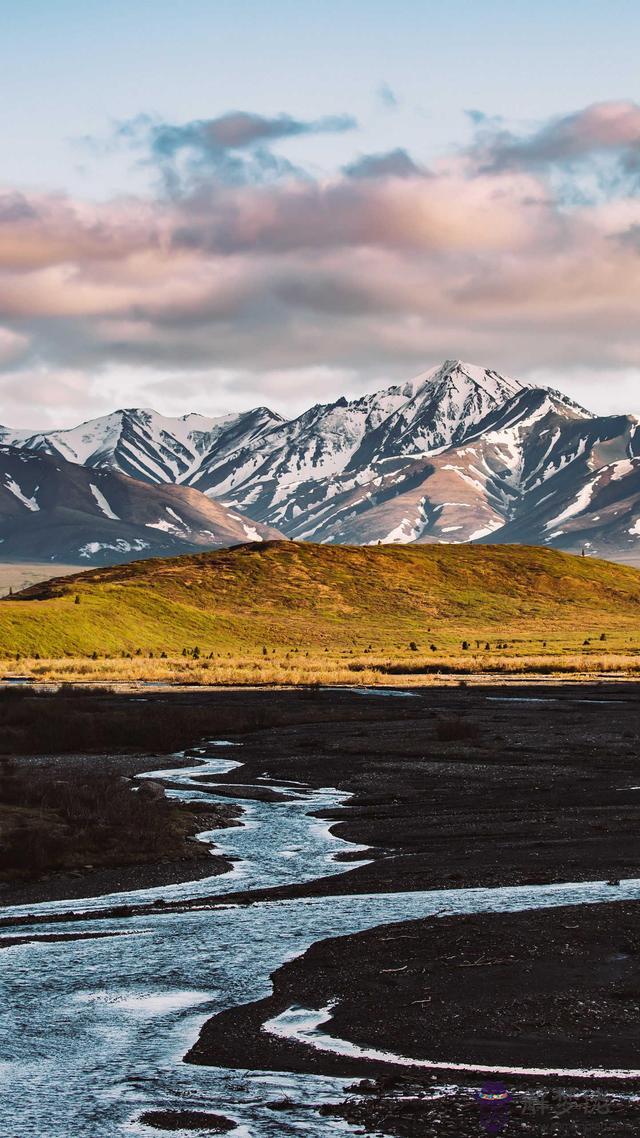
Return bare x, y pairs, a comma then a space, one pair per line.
93, 1031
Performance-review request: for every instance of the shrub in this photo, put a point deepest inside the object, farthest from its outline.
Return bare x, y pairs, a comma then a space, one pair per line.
97, 813
456, 730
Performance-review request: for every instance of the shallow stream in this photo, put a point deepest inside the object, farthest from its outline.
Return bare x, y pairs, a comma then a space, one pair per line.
92, 1032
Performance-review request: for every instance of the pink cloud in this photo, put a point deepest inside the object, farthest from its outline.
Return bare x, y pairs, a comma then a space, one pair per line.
603, 128
365, 276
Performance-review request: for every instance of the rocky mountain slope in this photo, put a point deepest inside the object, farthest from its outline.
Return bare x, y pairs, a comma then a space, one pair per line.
52, 510
145, 445
458, 454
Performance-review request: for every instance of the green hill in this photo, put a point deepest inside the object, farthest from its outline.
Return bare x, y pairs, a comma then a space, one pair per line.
287, 596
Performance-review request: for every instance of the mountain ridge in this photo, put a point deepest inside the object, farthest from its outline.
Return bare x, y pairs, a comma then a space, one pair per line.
53, 510
460, 453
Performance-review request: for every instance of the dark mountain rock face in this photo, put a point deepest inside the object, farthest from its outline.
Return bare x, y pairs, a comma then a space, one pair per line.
53, 510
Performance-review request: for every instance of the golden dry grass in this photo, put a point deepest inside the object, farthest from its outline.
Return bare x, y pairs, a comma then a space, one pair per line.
362, 672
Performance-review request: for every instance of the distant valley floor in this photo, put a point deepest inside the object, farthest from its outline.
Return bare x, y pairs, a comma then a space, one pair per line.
16, 575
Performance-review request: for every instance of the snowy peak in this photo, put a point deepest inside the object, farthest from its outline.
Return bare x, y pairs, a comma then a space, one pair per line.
466, 378
459, 453
447, 402
425, 414
143, 444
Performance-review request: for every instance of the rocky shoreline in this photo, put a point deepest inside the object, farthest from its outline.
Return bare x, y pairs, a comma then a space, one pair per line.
554, 988
547, 988
411, 1109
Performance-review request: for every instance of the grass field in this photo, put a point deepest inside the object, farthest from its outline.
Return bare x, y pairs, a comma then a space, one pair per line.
284, 612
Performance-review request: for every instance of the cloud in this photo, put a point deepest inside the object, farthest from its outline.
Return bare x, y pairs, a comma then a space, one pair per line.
607, 129
629, 237
415, 213
387, 97
235, 147
14, 347
481, 119
394, 163
238, 130
14, 207
290, 286
45, 397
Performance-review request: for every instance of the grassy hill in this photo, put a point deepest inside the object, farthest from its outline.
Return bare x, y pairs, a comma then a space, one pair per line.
281, 600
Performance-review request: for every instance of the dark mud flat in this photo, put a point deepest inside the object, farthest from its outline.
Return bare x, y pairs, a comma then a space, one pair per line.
411, 1110
99, 882
451, 786
187, 1120
482, 786
557, 988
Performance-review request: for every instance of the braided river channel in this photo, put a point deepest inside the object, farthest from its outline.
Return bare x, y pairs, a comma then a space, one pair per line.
94, 1031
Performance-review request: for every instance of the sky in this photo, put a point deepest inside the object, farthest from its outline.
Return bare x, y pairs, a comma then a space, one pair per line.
209, 206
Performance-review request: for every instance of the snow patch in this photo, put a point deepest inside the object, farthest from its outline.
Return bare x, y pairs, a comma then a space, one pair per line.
13, 487
119, 546
166, 527
102, 503
484, 531
577, 506
621, 469
407, 531
252, 533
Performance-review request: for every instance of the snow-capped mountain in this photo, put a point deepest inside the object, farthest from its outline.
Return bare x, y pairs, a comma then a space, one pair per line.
53, 510
460, 453
445, 403
145, 445
537, 474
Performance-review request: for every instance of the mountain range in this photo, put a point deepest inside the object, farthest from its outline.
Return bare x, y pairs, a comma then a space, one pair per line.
458, 454
53, 510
